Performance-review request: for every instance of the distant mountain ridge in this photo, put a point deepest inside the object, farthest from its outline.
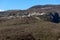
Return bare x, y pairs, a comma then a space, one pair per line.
43, 6
37, 7
35, 11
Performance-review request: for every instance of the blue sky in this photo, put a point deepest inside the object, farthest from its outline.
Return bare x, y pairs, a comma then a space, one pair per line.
24, 4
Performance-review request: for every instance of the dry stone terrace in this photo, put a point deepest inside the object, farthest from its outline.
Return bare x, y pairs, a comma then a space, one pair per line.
22, 15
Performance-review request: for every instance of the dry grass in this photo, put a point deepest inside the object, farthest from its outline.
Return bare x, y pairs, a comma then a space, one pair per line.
40, 30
